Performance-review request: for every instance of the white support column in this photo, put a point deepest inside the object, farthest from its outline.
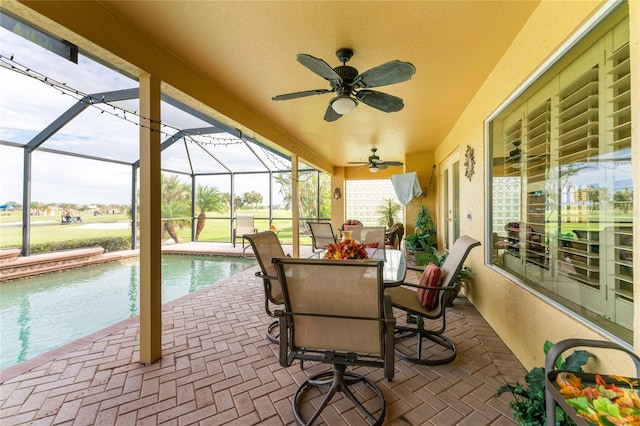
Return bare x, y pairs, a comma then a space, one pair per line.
150, 221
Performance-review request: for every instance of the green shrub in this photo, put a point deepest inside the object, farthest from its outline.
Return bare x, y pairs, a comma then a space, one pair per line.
107, 243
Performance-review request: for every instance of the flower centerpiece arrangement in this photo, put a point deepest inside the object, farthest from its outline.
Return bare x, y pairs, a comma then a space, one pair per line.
346, 250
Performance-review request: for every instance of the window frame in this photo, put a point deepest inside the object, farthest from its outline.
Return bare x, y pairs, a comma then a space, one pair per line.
515, 101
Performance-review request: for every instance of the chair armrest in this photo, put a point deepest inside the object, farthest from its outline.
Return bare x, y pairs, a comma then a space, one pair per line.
259, 274
557, 350
455, 286
284, 338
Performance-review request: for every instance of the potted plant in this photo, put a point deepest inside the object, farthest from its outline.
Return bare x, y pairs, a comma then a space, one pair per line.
388, 212
529, 401
425, 231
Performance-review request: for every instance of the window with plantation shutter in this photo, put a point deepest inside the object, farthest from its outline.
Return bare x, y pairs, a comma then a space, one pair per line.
563, 148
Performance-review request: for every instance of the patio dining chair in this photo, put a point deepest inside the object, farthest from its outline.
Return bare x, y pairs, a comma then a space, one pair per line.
335, 312
426, 303
394, 235
266, 246
244, 225
371, 235
321, 235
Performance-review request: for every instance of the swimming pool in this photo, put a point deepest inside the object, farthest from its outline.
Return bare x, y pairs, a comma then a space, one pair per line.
41, 313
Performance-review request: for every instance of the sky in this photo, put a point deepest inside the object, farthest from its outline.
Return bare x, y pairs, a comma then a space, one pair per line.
27, 106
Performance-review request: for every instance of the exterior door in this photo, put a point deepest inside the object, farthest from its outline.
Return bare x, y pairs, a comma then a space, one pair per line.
450, 187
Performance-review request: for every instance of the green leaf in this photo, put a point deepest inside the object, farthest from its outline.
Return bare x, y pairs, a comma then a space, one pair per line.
576, 360
605, 405
504, 389
581, 404
547, 346
535, 378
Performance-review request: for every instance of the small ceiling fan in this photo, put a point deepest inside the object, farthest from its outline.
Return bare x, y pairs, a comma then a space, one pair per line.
375, 163
351, 87
513, 160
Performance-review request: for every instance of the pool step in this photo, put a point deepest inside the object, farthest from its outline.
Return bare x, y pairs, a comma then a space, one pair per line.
14, 267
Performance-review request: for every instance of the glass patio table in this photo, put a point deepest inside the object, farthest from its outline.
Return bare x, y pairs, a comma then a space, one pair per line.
395, 263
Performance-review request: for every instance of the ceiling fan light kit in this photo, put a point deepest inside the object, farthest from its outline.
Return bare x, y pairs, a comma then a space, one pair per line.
373, 169
352, 87
343, 104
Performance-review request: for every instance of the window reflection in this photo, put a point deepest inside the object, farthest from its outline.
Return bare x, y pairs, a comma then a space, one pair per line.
561, 187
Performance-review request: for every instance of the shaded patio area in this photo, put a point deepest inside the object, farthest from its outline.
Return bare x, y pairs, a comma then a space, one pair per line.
218, 368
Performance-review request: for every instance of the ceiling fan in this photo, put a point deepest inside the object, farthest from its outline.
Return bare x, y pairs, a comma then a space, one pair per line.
351, 87
375, 163
513, 160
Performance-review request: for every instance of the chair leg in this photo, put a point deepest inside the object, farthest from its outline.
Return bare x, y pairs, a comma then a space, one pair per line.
273, 332
339, 380
421, 334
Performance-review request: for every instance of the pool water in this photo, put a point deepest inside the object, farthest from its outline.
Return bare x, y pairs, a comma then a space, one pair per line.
42, 313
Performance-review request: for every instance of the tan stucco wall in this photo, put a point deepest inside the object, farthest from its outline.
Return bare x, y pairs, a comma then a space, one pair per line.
523, 320
421, 163
337, 205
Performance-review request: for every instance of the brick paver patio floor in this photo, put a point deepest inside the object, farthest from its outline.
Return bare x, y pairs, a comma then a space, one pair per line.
218, 368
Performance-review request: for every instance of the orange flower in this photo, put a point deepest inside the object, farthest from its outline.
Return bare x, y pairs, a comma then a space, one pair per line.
344, 250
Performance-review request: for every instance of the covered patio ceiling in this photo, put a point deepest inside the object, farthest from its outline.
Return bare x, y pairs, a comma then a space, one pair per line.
247, 52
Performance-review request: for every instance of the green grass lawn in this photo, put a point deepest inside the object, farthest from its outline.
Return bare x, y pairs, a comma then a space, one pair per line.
48, 228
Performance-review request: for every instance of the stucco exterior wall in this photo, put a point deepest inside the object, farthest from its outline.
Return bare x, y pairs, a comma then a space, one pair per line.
422, 163
522, 319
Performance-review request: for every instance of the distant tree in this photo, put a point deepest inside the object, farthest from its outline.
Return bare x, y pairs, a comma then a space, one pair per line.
308, 189
176, 204
325, 195
208, 199
252, 199
308, 194
283, 180
239, 202
622, 199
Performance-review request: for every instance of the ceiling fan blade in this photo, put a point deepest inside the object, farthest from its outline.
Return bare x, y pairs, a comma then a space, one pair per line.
331, 114
382, 101
301, 94
389, 73
381, 166
319, 67
357, 162
393, 163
